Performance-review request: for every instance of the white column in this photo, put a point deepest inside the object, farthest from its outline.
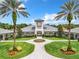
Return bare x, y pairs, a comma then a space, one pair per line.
3, 37
74, 35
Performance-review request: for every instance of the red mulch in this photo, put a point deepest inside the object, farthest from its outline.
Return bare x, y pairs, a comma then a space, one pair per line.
12, 53
68, 52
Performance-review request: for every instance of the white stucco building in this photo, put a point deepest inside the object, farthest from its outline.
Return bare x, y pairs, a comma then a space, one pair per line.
39, 29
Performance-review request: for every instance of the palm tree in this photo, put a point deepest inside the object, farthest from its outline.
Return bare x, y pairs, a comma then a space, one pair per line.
69, 11
13, 8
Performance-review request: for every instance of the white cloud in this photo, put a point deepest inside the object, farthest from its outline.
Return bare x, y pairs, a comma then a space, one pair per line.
22, 5
1, 1
75, 21
49, 18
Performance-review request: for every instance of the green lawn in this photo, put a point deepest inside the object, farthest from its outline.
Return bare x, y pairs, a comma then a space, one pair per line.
55, 38
26, 49
54, 49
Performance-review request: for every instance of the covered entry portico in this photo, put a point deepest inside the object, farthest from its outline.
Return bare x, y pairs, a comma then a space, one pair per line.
3, 33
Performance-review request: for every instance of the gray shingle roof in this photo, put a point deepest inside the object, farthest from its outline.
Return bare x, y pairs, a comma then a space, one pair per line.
46, 28
75, 30
28, 29
5, 31
50, 28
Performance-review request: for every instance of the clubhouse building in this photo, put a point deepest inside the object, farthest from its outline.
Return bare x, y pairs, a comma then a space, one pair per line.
38, 29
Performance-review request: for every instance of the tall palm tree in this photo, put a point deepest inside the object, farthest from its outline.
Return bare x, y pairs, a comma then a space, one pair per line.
13, 8
69, 11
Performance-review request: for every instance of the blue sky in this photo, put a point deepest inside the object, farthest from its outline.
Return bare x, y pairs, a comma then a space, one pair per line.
43, 9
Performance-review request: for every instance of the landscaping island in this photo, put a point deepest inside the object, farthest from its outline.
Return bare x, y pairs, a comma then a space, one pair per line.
54, 49
26, 49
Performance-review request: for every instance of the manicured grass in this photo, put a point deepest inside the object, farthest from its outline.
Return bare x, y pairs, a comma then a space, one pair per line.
55, 38
26, 49
54, 49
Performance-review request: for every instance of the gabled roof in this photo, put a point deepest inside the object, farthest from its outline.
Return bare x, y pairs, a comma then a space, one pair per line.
50, 28
75, 30
5, 31
30, 28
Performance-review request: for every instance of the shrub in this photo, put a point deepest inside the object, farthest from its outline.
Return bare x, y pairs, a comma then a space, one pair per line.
19, 48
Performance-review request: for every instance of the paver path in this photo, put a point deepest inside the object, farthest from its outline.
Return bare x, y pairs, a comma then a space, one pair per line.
39, 52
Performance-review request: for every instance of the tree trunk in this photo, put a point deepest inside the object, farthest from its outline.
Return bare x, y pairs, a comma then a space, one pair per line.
14, 17
69, 36
14, 36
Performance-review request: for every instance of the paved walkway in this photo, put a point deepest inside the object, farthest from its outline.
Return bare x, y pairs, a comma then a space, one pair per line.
39, 52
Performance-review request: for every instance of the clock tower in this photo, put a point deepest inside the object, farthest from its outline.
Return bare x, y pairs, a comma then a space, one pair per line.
39, 31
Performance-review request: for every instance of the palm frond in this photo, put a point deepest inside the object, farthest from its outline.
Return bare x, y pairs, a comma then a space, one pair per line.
21, 8
18, 4
76, 7
61, 12
24, 13
76, 12
12, 5
5, 14
70, 7
64, 8
59, 16
67, 5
